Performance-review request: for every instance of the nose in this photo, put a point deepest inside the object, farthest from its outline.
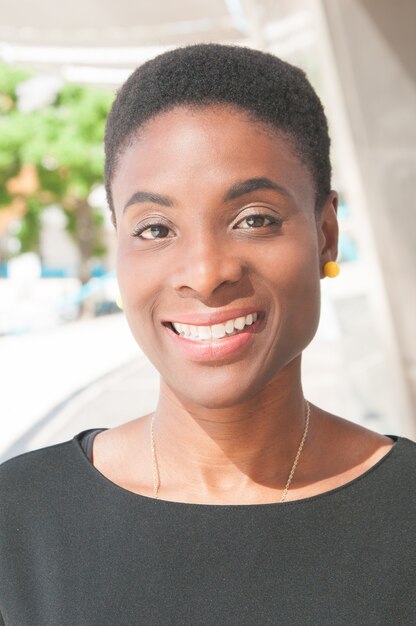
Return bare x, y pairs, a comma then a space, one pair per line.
205, 266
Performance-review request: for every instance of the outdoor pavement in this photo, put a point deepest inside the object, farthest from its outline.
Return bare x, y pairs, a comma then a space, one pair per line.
43, 372
91, 373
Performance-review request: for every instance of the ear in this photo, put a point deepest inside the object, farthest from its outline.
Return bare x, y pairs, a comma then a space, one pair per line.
327, 225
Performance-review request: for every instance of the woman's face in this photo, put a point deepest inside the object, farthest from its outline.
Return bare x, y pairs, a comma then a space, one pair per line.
217, 233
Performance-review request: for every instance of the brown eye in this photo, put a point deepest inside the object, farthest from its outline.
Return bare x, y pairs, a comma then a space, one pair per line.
257, 221
152, 232
155, 232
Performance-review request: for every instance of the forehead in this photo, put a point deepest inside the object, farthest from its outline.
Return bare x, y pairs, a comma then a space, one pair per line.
196, 148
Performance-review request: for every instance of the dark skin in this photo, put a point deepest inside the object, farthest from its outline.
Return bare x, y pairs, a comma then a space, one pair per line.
226, 431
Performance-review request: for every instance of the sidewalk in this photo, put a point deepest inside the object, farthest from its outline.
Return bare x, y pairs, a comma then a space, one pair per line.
126, 393
39, 371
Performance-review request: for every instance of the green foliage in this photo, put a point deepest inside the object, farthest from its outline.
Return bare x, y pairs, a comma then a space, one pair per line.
64, 141
10, 77
30, 227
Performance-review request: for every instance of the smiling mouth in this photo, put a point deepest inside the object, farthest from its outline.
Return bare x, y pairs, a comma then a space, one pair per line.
216, 331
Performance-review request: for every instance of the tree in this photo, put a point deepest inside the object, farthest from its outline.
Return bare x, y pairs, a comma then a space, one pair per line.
52, 155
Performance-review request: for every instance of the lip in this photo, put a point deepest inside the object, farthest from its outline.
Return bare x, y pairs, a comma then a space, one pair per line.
209, 319
227, 347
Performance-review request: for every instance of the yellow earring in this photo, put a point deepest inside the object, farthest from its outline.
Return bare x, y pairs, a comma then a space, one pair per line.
331, 269
119, 302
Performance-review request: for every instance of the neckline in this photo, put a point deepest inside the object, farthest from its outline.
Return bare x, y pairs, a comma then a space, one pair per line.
398, 443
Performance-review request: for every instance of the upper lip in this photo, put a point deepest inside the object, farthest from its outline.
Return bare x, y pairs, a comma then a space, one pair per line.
209, 319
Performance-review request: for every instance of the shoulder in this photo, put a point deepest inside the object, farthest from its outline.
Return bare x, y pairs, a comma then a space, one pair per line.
44, 494
36, 460
33, 477
402, 462
341, 451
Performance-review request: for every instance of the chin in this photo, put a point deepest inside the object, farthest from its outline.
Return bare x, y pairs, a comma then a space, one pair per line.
218, 390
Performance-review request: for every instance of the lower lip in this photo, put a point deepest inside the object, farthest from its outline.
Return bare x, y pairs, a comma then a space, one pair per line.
216, 349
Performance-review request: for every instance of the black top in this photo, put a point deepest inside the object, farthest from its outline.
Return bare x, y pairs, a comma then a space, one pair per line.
77, 550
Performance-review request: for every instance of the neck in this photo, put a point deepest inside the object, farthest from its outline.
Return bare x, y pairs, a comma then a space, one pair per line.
238, 449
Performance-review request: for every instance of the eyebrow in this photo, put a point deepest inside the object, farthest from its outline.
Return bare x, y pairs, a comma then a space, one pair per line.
147, 196
237, 190
253, 184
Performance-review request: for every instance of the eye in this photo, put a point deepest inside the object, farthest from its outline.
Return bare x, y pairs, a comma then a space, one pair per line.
152, 231
257, 221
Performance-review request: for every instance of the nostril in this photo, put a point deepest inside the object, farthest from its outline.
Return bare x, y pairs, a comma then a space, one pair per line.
204, 275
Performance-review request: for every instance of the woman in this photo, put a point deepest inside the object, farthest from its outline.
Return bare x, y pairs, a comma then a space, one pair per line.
237, 501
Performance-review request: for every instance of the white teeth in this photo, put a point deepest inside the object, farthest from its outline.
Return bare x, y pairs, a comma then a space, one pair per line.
239, 323
204, 332
216, 331
229, 327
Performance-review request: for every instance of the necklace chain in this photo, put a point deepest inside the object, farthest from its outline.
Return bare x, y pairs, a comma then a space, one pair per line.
155, 465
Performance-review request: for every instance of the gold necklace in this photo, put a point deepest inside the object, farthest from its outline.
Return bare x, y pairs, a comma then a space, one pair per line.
155, 466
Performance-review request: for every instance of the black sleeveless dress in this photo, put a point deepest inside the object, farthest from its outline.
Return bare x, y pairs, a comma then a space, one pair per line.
77, 550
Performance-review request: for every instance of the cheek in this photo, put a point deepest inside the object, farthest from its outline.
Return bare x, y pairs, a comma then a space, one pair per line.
140, 281
293, 275
291, 264
304, 299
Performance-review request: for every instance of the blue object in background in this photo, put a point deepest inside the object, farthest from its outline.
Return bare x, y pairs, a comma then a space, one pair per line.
55, 272
347, 246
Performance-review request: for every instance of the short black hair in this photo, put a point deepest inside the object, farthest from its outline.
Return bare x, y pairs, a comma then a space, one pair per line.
269, 89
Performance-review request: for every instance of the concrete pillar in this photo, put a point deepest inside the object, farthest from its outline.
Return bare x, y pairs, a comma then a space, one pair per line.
371, 64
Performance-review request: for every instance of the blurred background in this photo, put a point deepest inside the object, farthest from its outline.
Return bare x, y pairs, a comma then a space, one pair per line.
67, 361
